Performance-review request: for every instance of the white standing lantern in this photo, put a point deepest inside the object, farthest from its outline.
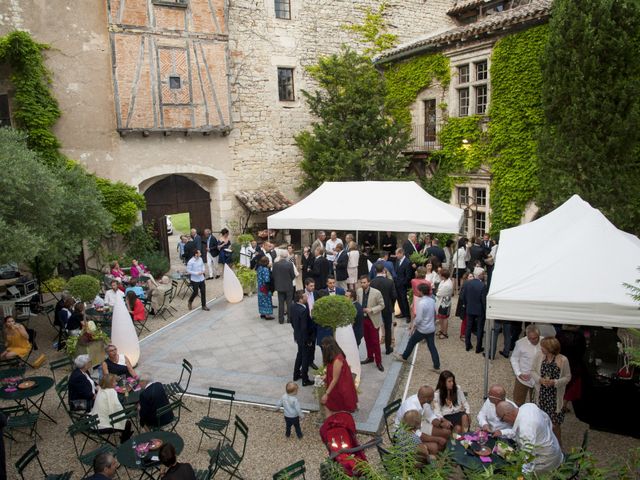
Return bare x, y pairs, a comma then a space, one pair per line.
346, 339
123, 332
231, 286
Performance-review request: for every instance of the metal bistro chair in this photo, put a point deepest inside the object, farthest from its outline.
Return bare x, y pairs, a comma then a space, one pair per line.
64, 362
228, 456
82, 432
175, 408
62, 389
19, 419
295, 470
175, 390
129, 413
212, 426
31, 455
389, 411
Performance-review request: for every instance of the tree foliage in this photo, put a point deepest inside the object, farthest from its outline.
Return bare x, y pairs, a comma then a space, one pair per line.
355, 137
590, 144
46, 211
123, 202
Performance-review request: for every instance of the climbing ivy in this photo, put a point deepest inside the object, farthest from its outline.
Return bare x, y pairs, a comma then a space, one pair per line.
407, 78
516, 118
373, 31
36, 109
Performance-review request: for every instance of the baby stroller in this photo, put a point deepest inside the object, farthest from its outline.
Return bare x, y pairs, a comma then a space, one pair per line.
338, 432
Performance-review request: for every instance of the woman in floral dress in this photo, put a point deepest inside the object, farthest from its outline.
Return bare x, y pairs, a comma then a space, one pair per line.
265, 307
551, 374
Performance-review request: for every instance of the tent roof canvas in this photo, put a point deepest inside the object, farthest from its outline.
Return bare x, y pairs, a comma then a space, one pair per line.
567, 267
374, 206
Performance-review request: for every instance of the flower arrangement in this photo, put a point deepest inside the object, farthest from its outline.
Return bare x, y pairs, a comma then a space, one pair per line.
91, 333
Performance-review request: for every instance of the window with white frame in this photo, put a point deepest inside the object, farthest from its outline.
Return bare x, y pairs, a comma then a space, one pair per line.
473, 88
480, 196
480, 223
463, 195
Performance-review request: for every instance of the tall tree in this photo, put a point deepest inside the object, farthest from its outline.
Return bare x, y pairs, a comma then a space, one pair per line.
355, 137
590, 144
46, 211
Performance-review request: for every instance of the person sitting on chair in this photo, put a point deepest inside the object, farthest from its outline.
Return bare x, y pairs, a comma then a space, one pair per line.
152, 398
111, 295
135, 307
116, 364
172, 469
107, 403
16, 338
104, 467
82, 388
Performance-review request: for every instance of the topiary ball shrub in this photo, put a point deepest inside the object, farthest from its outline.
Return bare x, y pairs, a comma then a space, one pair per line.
83, 287
334, 311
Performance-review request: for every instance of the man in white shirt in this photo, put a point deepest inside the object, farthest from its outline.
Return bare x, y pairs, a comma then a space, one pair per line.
487, 416
195, 269
533, 433
432, 424
112, 295
522, 363
330, 247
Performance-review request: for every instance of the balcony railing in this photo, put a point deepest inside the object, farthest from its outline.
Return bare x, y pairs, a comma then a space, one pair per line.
424, 138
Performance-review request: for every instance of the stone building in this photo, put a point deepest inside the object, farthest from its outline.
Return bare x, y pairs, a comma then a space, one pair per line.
479, 24
193, 101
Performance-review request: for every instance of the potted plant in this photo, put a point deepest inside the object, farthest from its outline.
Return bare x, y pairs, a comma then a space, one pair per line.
91, 341
248, 279
418, 259
338, 313
84, 288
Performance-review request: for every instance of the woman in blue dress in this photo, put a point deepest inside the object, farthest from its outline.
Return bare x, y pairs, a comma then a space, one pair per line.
265, 307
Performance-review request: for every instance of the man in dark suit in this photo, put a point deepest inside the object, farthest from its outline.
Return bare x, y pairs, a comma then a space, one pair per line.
388, 290
257, 256
342, 259
404, 274
487, 244
436, 250
476, 254
409, 246
358, 325
475, 302
283, 275
304, 336
331, 289
386, 263
306, 260
152, 398
321, 269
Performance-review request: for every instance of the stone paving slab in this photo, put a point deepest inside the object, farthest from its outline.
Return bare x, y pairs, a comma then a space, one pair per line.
231, 347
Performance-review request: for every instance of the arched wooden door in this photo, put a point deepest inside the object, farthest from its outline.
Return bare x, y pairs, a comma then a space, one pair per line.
177, 194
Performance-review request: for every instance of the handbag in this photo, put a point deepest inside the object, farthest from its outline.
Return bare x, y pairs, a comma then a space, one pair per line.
444, 311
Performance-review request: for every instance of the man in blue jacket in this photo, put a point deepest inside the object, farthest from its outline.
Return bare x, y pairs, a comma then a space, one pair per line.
475, 301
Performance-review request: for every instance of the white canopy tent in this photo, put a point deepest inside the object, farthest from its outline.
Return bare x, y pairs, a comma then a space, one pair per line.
567, 267
374, 206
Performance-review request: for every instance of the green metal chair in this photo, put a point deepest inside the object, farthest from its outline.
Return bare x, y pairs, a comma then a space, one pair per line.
31, 455
19, 419
175, 407
64, 362
84, 432
228, 456
388, 412
212, 426
295, 470
205, 474
129, 413
175, 390
62, 389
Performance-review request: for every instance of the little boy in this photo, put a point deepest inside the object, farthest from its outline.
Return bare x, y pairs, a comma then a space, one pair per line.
292, 411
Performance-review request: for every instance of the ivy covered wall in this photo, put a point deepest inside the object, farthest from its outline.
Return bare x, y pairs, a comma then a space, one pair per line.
516, 117
509, 144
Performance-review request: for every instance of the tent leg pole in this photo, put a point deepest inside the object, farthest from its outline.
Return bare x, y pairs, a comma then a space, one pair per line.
488, 342
357, 238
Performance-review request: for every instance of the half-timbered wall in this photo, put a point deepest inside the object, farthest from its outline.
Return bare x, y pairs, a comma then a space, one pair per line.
170, 69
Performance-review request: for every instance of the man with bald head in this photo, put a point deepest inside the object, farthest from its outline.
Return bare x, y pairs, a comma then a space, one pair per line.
487, 417
432, 424
533, 432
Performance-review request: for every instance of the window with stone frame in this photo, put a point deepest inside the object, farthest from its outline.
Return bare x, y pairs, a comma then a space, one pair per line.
480, 196
285, 84
463, 102
463, 74
5, 114
463, 195
480, 223
482, 71
481, 99
283, 9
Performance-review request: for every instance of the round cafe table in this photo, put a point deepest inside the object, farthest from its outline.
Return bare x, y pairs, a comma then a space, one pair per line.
469, 460
127, 457
30, 397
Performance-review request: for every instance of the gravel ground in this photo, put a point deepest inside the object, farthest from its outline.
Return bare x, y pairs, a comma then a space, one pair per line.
267, 449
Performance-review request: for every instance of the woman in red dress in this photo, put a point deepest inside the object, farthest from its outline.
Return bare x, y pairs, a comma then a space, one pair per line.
135, 307
341, 395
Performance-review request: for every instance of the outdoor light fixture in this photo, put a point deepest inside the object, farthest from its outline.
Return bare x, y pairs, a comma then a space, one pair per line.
123, 333
231, 286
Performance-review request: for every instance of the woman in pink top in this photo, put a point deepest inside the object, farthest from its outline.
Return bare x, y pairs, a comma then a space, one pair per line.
117, 272
421, 273
138, 269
